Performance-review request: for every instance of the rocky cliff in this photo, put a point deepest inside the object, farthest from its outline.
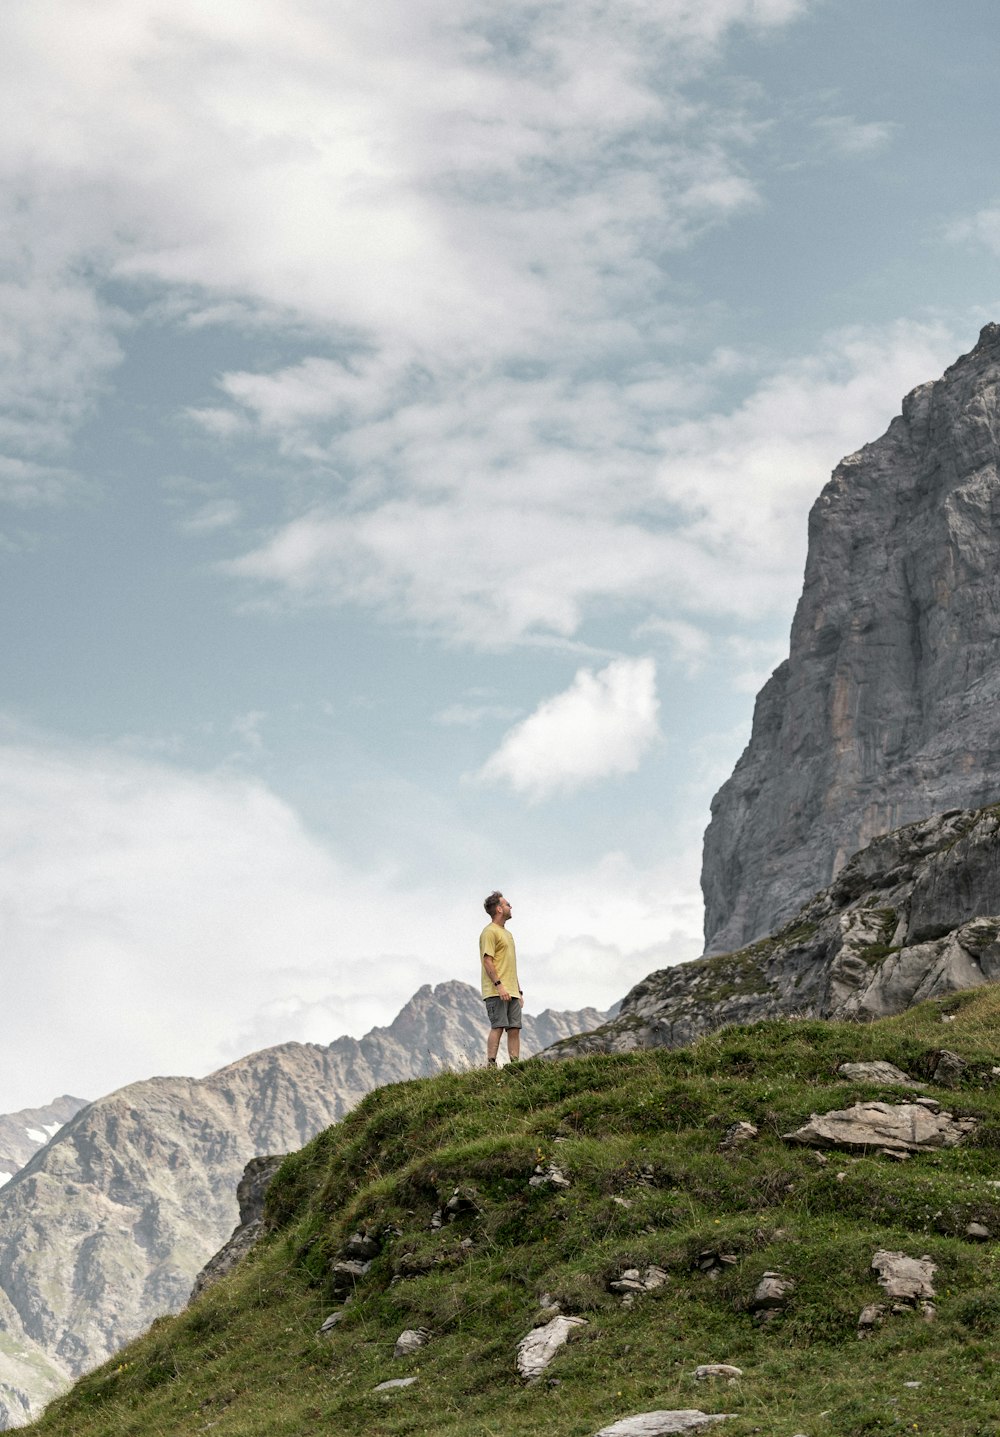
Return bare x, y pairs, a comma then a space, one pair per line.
913, 916
107, 1226
886, 708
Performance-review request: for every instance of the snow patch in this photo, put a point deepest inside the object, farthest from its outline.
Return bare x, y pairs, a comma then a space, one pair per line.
5, 1178
36, 1136
52, 1128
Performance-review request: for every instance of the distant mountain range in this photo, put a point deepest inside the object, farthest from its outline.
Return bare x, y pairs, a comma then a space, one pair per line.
24, 1132
106, 1226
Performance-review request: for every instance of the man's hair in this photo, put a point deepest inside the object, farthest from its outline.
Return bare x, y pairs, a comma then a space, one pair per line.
492, 903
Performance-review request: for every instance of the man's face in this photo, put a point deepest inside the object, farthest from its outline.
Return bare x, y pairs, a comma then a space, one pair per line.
503, 910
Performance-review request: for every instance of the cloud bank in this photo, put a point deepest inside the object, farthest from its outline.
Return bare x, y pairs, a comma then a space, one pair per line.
600, 726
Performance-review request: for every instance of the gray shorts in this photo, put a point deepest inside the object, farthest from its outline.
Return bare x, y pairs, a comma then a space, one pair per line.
503, 1015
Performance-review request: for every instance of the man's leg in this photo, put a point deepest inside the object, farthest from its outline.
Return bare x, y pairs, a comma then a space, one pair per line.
493, 1044
513, 1044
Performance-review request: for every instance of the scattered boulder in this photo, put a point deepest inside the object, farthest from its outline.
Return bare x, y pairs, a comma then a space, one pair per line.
548, 1176
632, 1280
394, 1383
462, 1203
360, 1247
717, 1369
662, 1424
899, 1127
712, 1262
878, 1071
871, 1317
907, 1280
737, 1135
536, 1351
411, 1341
346, 1274
332, 1321
771, 1296
947, 1068
977, 1232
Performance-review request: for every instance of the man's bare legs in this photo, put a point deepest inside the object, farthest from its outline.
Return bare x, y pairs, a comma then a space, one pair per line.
493, 1044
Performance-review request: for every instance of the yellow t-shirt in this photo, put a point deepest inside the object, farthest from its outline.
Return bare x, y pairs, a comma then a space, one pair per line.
498, 944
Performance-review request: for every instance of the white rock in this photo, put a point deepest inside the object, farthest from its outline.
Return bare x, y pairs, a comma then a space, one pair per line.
903, 1127
904, 1279
410, 1341
662, 1424
877, 1072
393, 1383
536, 1351
717, 1369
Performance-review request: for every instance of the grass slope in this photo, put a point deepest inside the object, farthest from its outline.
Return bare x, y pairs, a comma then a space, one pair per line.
246, 1359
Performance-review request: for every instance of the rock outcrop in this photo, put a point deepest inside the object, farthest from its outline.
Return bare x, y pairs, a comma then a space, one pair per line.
887, 708
107, 1225
914, 915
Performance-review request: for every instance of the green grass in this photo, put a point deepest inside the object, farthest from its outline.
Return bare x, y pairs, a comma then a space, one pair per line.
637, 1135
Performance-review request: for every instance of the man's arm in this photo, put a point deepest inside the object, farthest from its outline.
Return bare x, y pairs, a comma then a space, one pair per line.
491, 969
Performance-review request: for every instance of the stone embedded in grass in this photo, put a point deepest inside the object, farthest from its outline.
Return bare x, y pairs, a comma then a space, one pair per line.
771, 1296
462, 1203
632, 1280
332, 1321
717, 1369
877, 1072
536, 1351
394, 1384
900, 1127
410, 1341
906, 1280
977, 1232
346, 1274
711, 1261
737, 1136
360, 1247
663, 1424
947, 1068
548, 1177
870, 1318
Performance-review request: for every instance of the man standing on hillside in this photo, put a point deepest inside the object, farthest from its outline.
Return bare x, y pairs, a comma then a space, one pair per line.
500, 988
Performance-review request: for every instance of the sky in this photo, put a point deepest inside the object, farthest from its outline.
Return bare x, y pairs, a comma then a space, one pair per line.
409, 418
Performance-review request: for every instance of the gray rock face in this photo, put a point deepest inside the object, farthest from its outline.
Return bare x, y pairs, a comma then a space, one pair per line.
108, 1224
913, 916
886, 708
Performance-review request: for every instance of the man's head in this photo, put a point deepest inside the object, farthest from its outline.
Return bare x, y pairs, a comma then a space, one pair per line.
497, 907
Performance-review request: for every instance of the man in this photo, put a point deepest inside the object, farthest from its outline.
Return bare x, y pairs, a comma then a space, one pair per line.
500, 988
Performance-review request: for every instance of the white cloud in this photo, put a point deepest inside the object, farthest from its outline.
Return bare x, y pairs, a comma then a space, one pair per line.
983, 228
495, 511
471, 715
439, 179
601, 726
847, 136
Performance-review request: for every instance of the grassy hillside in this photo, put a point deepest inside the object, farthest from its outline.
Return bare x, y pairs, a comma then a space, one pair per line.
637, 1136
